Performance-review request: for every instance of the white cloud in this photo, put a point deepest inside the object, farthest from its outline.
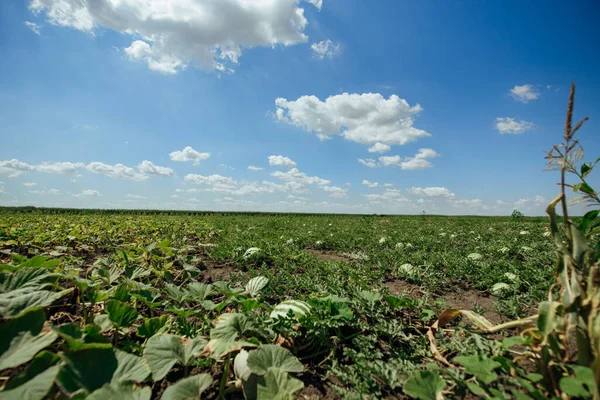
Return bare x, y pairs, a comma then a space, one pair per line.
169, 35
254, 168
45, 192
431, 192
323, 137
470, 204
388, 184
15, 167
368, 162
325, 49
379, 148
389, 195
148, 168
296, 179
370, 184
512, 126
524, 93
58, 167
35, 28
336, 191
135, 196
115, 171
535, 201
214, 180
366, 118
29, 184
281, 161
418, 161
189, 154
87, 193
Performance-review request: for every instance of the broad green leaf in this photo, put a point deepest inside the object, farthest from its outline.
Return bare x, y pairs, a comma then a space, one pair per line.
87, 369
482, 368
130, 368
273, 356
26, 280
476, 389
152, 326
370, 297
255, 285
425, 385
199, 291
162, 352
218, 348
121, 391
40, 363
278, 385
573, 387
39, 261
78, 339
32, 321
17, 302
24, 347
188, 388
228, 326
34, 389
193, 348
121, 314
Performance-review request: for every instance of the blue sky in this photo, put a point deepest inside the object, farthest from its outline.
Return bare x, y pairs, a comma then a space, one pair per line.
449, 104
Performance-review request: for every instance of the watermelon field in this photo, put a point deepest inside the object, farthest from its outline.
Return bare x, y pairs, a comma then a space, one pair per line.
139, 305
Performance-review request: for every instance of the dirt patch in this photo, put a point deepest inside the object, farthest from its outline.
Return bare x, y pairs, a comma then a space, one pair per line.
398, 286
328, 255
315, 388
464, 300
219, 270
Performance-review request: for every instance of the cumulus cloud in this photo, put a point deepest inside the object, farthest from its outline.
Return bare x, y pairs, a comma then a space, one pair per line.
379, 148
170, 35
148, 168
388, 196
524, 93
418, 161
214, 180
223, 184
29, 184
336, 191
366, 118
254, 168
281, 161
368, 162
189, 154
325, 49
87, 193
296, 180
512, 126
115, 171
470, 204
15, 167
528, 202
35, 28
370, 184
431, 192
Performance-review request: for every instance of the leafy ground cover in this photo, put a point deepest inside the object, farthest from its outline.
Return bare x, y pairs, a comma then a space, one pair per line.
104, 305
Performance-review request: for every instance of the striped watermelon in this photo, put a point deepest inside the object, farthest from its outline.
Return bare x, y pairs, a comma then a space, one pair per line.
255, 285
298, 308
